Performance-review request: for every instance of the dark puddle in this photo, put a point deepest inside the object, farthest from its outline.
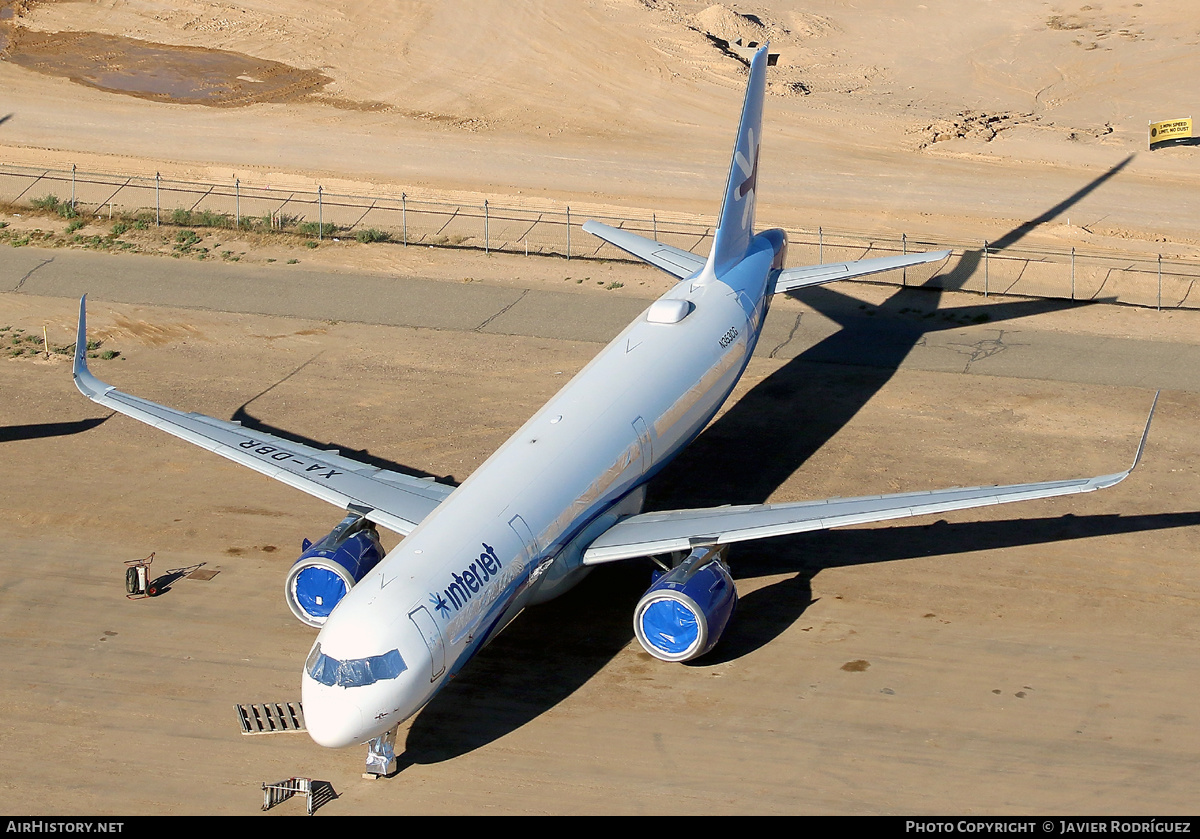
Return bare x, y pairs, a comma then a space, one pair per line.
160, 72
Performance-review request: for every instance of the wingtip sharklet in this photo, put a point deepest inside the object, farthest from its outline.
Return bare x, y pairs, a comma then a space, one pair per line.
79, 364
88, 385
1106, 481
1145, 433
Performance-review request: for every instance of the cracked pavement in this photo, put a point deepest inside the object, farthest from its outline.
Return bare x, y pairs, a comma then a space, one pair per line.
823, 325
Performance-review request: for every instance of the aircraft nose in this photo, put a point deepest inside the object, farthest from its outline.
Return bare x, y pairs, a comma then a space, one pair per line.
332, 721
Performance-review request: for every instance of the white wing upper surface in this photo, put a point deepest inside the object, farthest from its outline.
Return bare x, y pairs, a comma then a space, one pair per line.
393, 500
681, 530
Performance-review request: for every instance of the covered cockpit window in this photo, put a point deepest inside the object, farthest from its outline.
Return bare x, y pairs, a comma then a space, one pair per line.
354, 673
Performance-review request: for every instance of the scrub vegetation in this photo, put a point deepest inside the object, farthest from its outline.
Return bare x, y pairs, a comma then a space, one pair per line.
16, 342
179, 233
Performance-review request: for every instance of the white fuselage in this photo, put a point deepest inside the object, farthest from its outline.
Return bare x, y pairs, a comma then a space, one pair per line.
511, 534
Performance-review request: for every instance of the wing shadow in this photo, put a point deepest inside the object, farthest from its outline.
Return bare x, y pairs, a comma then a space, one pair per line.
34, 431
248, 420
770, 611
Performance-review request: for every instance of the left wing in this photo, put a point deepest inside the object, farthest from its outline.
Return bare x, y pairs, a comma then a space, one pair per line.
390, 499
681, 530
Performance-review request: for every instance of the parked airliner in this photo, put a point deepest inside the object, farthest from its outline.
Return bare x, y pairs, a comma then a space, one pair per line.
564, 493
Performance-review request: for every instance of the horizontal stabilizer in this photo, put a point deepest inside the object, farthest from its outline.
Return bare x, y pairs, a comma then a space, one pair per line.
678, 263
391, 499
794, 278
682, 530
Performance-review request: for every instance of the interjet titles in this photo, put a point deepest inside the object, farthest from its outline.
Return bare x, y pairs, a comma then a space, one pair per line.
467, 584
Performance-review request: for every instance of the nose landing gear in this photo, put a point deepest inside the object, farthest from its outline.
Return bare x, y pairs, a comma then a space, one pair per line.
381, 755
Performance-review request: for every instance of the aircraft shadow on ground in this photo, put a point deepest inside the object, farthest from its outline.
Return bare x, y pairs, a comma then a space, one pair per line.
253, 423
554, 649
766, 613
12, 433
742, 458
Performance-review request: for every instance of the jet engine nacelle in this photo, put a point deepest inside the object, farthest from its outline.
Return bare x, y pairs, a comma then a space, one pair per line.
684, 613
325, 571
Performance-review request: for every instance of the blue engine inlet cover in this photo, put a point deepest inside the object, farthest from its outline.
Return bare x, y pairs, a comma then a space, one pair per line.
684, 613
326, 571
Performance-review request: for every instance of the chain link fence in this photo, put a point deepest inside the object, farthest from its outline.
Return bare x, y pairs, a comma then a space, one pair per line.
1124, 277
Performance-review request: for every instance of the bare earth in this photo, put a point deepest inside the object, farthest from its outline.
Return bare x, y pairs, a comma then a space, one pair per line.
1027, 659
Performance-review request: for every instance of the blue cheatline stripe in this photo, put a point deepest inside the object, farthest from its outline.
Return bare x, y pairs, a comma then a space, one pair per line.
670, 626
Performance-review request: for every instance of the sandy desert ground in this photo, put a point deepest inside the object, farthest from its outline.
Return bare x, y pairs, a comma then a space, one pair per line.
1038, 659
933, 118
1015, 660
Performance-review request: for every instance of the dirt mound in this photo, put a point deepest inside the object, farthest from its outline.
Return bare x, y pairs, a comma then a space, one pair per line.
723, 22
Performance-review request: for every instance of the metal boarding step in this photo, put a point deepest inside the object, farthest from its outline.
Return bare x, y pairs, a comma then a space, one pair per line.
271, 717
316, 793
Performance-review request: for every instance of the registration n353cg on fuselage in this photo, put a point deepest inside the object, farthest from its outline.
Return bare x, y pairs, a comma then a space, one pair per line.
565, 492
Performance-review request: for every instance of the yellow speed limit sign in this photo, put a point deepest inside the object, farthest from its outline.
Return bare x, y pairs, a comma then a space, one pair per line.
1169, 131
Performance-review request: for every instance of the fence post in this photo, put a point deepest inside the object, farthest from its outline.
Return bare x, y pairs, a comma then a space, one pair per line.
568, 234
157, 201
904, 250
487, 247
1072, 272
1160, 282
72, 186
820, 245
654, 218
237, 203
320, 216
404, 216
985, 269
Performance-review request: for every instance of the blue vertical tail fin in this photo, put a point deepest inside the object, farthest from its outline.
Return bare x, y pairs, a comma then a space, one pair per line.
735, 228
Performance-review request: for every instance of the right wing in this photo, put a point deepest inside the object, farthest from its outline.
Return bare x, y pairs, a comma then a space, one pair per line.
674, 261
390, 499
791, 279
682, 530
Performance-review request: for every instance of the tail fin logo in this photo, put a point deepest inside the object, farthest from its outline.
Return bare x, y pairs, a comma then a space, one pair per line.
750, 170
